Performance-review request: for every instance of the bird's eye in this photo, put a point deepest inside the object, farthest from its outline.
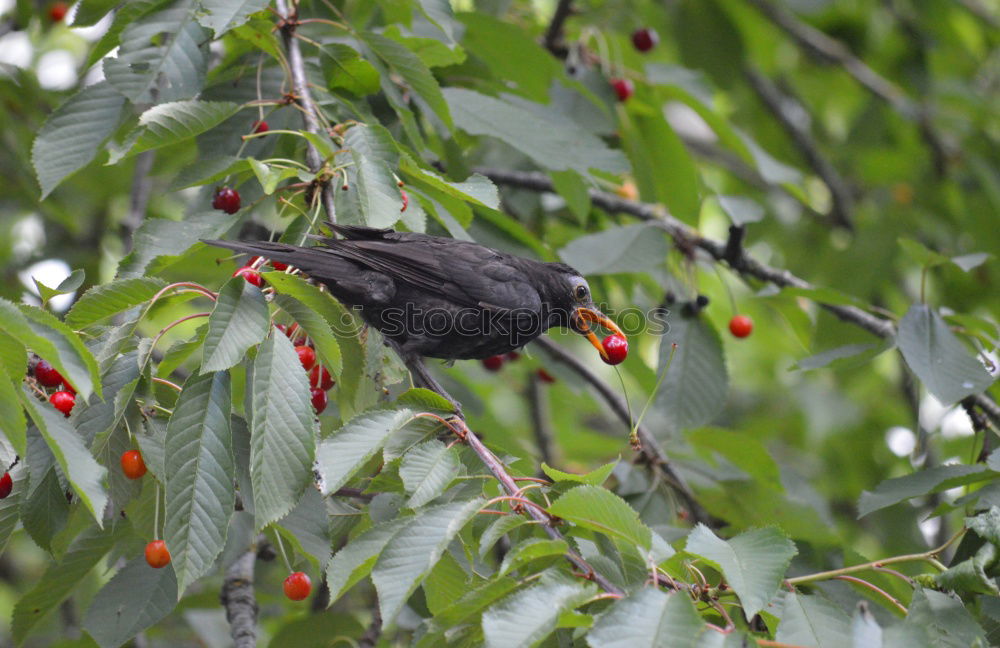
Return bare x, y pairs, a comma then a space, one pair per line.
580, 292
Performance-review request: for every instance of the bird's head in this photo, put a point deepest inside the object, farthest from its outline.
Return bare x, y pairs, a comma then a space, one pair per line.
573, 306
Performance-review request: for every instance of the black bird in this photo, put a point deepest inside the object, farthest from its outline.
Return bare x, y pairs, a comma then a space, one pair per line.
439, 297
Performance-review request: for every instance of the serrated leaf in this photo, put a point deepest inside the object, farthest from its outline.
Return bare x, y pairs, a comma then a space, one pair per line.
71, 136
924, 482
13, 355
412, 69
414, 550
476, 188
13, 425
136, 598
598, 509
317, 328
372, 150
528, 616
694, 389
754, 562
160, 237
474, 601
170, 123
223, 15
62, 576
343, 453
282, 432
813, 621
427, 470
937, 357
554, 146
511, 54
969, 576
420, 398
307, 527
355, 560
45, 510
631, 248
500, 527
73, 457
530, 550
10, 506
650, 618
986, 525
860, 352
112, 298
239, 321
344, 69
160, 57
199, 476
948, 623
652, 146
594, 477
68, 285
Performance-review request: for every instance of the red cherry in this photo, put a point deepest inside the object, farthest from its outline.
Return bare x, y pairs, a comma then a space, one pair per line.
68, 387
260, 126
6, 485
493, 363
250, 276
226, 199
741, 326
623, 88
279, 266
616, 346
306, 356
512, 356
157, 555
545, 376
132, 464
58, 11
46, 374
297, 586
63, 401
319, 399
320, 377
645, 39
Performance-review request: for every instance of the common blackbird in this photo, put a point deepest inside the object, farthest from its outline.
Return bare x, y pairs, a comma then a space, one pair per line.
439, 297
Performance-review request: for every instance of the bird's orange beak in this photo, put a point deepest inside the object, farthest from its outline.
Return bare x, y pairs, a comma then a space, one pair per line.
586, 316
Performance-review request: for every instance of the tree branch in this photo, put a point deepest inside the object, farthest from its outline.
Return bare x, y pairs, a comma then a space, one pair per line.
539, 406
553, 40
831, 51
842, 203
749, 267
300, 86
238, 598
374, 630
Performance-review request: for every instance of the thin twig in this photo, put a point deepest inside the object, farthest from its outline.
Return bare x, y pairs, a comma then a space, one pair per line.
750, 267
238, 598
554, 40
540, 424
779, 104
370, 638
142, 188
300, 86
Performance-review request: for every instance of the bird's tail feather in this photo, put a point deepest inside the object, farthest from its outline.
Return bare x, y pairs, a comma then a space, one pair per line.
319, 261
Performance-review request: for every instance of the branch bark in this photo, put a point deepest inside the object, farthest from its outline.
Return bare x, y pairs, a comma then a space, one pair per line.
238, 598
716, 250
553, 40
300, 86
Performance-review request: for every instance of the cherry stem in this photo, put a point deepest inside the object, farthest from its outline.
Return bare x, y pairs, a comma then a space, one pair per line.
521, 500
878, 590
156, 513
166, 382
281, 549
172, 325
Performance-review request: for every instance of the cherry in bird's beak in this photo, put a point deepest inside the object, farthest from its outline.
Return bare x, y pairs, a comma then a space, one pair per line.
584, 316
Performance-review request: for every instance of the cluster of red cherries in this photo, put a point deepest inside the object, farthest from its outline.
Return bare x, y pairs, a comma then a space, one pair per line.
320, 380
64, 396
643, 40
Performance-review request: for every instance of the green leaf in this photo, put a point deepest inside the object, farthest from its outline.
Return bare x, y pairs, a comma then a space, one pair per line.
343, 453
68, 285
55, 342
694, 389
741, 210
161, 57
282, 430
986, 525
45, 510
160, 237
11, 506
969, 262
307, 527
62, 576
919, 484
500, 527
424, 399
857, 353
174, 122
530, 550
937, 357
355, 560
511, 54
412, 69
948, 623
813, 621
477, 189
71, 136
472, 602
12, 423
427, 470
551, 141
594, 477
344, 69
650, 618
629, 248
199, 476
136, 598
74, 459
373, 150
970, 575
239, 320
574, 191
112, 298
921, 253
598, 509
223, 15
13, 355
754, 562
528, 616
653, 146
414, 550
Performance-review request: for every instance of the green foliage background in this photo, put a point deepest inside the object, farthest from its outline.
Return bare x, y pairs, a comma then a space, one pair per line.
856, 144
